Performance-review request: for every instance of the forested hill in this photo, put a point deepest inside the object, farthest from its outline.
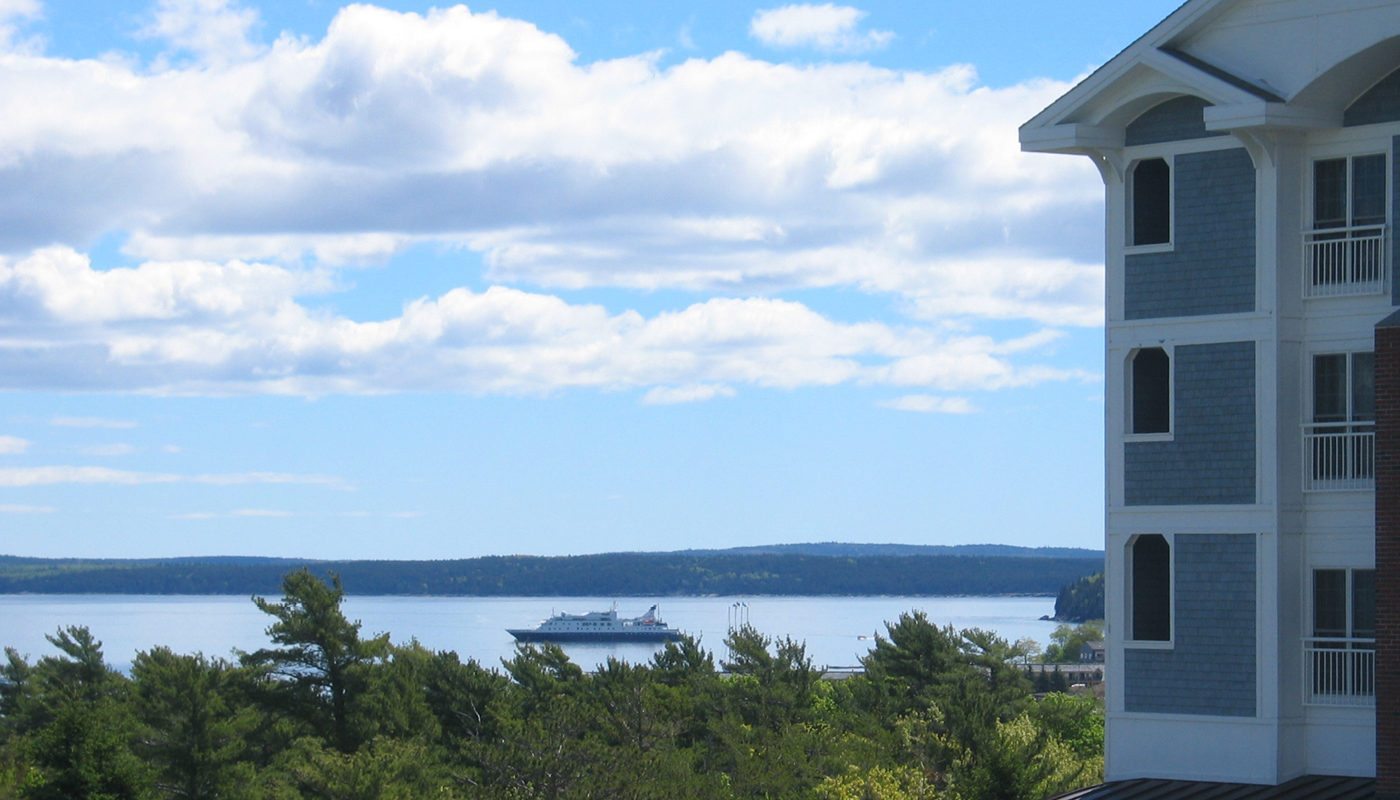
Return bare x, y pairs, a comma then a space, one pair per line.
862, 550
613, 574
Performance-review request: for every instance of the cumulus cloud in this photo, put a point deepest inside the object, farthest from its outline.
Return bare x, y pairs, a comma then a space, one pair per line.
729, 173
21, 477
13, 445
243, 328
826, 27
930, 404
13, 13
731, 177
213, 31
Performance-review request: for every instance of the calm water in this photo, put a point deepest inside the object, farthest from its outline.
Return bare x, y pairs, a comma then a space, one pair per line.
475, 627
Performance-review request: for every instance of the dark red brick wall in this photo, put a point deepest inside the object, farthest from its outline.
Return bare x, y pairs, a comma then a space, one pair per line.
1388, 561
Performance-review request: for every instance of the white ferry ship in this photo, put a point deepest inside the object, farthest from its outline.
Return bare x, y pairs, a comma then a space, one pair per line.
598, 626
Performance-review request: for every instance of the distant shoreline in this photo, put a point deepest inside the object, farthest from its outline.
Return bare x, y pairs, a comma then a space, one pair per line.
784, 574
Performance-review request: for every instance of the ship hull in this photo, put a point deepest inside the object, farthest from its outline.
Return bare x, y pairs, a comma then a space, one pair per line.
599, 637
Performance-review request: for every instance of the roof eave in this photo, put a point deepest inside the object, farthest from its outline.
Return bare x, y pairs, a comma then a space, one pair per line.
1069, 138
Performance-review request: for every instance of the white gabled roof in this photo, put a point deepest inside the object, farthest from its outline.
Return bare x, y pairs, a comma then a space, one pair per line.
1259, 63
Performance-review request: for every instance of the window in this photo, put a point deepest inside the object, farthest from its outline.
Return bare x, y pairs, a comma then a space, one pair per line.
1150, 391
1349, 192
1344, 387
1340, 443
1344, 603
1340, 658
1149, 588
1345, 250
1150, 186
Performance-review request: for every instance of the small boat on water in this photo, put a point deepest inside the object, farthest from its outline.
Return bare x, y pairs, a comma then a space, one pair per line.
598, 626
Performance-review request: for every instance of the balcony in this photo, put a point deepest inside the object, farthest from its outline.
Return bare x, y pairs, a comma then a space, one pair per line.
1344, 262
1339, 456
1339, 672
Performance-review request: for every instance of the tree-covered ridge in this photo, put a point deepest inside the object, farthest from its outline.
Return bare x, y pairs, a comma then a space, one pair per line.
1082, 600
326, 712
861, 550
614, 574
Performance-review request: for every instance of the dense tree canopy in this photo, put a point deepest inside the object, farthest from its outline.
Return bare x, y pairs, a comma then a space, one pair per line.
325, 712
608, 574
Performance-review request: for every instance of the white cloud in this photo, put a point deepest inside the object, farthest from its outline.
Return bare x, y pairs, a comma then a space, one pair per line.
826, 27
931, 404
20, 9
214, 31
728, 176
12, 14
12, 508
213, 328
694, 393
20, 477
13, 445
731, 174
92, 422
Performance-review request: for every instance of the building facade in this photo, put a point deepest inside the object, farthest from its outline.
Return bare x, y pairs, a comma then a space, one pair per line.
1249, 151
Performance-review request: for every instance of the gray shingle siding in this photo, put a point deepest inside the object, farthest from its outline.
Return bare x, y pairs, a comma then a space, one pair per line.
1175, 120
1211, 456
1210, 669
1210, 269
1380, 103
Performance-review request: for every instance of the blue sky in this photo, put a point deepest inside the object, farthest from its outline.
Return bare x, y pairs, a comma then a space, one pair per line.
397, 281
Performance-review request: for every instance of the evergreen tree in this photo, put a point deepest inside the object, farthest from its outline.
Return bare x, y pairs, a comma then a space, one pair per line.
321, 669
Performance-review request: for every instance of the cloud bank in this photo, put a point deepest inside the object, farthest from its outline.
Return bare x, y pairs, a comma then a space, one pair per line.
242, 177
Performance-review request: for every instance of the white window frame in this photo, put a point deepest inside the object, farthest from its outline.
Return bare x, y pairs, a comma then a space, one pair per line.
1350, 154
1129, 388
1310, 400
1348, 596
1160, 247
1149, 644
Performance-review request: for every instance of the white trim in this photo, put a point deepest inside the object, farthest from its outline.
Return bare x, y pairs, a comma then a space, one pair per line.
1179, 147
1144, 249
1258, 113
1150, 437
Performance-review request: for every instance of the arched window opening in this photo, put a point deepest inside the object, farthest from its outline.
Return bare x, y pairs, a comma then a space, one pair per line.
1150, 591
1151, 391
1151, 187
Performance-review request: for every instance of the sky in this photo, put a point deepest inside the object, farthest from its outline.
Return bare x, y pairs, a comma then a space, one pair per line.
400, 281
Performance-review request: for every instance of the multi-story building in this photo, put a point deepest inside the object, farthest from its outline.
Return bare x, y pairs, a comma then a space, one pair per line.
1250, 151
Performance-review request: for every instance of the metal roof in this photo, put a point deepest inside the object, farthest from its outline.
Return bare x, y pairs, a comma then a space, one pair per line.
1308, 787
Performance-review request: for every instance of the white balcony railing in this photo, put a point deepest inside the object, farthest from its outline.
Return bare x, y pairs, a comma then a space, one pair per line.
1339, 456
1341, 262
1339, 672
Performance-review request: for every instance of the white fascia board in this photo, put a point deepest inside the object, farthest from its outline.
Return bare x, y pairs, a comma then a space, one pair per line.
1255, 114
1188, 15
1069, 138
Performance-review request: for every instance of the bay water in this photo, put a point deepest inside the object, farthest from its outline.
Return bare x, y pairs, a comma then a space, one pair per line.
836, 630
